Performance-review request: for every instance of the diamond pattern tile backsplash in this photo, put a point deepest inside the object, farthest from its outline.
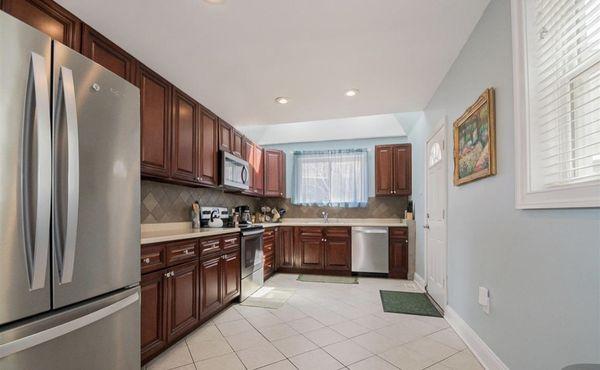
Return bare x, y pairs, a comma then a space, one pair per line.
163, 203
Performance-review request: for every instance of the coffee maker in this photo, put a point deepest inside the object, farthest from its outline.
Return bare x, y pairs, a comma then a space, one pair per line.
244, 212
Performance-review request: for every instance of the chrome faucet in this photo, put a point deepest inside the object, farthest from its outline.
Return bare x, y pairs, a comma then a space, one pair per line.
325, 216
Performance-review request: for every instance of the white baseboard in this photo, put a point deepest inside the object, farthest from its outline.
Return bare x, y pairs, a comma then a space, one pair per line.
484, 354
419, 281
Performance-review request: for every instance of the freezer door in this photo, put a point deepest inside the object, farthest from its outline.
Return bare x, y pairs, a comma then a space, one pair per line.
99, 335
24, 170
96, 183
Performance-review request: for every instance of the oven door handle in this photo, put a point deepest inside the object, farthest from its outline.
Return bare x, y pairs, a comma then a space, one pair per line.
250, 233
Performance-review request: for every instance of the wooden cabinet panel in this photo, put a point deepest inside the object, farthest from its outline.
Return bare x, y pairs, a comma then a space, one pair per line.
225, 136
155, 105
181, 251
209, 128
231, 242
104, 52
310, 253
48, 17
153, 308
209, 246
268, 266
274, 168
210, 286
338, 254
184, 134
398, 258
248, 155
259, 174
152, 258
402, 170
384, 170
236, 143
231, 276
285, 247
182, 295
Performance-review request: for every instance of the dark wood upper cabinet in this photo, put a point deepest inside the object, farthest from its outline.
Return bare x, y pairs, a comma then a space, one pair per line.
237, 142
248, 155
225, 136
398, 253
184, 142
48, 17
209, 137
393, 170
210, 286
259, 170
153, 308
104, 52
183, 296
155, 106
231, 276
274, 168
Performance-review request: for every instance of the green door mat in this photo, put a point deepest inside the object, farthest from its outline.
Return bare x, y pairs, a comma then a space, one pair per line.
408, 303
328, 279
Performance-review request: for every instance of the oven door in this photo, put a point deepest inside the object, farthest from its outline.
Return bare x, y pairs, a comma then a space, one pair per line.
235, 172
252, 252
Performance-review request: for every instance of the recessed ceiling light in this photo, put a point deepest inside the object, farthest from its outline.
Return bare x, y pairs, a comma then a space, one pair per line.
352, 92
282, 100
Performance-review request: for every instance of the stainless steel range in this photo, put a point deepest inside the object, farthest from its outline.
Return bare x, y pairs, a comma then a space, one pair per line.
252, 259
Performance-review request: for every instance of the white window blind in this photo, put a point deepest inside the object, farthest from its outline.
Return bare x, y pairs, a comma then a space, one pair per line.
563, 63
335, 178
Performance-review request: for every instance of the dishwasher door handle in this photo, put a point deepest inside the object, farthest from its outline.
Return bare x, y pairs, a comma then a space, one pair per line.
371, 231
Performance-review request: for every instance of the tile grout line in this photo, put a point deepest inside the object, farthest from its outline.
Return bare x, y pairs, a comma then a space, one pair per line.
225, 338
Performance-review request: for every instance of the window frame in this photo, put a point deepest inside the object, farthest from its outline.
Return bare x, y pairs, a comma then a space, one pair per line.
578, 195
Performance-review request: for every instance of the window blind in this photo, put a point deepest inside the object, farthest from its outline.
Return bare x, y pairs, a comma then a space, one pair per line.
564, 91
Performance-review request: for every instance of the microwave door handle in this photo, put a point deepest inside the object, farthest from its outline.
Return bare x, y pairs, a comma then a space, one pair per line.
66, 105
37, 117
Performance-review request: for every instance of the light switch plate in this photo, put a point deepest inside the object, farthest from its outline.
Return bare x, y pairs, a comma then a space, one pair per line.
484, 299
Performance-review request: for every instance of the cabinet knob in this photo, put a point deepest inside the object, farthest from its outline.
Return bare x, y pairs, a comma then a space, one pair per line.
169, 274
146, 260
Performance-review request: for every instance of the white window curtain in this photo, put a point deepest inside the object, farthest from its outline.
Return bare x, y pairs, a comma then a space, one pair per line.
557, 49
334, 178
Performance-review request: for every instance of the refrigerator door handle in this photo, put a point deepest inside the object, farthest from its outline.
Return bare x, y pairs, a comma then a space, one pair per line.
66, 106
43, 336
36, 127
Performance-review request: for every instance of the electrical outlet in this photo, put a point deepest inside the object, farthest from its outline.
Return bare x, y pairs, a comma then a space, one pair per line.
484, 299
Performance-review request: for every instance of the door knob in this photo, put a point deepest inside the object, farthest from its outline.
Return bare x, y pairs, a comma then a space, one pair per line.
426, 227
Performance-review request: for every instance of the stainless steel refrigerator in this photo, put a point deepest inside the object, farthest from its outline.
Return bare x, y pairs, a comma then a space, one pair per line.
69, 208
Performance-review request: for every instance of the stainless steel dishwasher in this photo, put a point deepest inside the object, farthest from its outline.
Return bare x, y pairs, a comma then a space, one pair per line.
370, 249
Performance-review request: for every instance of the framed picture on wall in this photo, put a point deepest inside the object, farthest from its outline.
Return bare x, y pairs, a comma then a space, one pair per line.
475, 141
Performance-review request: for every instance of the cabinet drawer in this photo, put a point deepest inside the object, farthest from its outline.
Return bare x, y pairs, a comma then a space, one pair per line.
310, 231
181, 252
209, 246
398, 232
231, 241
269, 264
268, 248
340, 232
152, 258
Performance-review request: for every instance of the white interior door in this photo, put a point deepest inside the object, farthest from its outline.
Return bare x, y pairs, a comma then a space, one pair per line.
435, 216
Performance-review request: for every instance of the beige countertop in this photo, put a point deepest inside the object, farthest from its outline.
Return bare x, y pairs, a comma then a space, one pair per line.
157, 233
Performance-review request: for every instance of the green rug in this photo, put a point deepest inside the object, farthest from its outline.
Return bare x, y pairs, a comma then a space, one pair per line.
328, 279
408, 303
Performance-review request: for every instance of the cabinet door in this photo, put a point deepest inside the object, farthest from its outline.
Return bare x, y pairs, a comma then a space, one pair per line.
231, 276
248, 151
402, 169
225, 136
236, 143
102, 51
209, 130
210, 286
310, 252
48, 17
398, 258
274, 170
155, 106
153, 313
259, 172
285, 251
183, 297
184, 142
338, 254
384, 170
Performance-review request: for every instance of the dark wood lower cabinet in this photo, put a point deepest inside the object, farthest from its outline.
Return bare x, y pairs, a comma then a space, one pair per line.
398, 256
338, 254
153, 310
285, 247
310, 252
210, 277
231, 276
182, 294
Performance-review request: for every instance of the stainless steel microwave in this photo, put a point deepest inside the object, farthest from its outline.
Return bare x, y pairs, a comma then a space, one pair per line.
235, 172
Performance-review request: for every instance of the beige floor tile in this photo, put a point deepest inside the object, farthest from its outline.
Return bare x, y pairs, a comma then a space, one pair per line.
438, 322
398, 334
374, 342
305, 324
226, 362
324, 336
350, 329
202, 350
449, 338
259, 356
230, 314
279, 331
463, 360
186, 367
406, 359
234, 327
371, 321
263, 320
248, 311
245, 340
316, 360
419, 327
372, 363
281, 365
430, 348
295, 345
288, 313
205, 332
347, 352
176, 356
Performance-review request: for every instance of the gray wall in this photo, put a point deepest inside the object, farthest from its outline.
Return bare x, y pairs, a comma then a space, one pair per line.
542, 266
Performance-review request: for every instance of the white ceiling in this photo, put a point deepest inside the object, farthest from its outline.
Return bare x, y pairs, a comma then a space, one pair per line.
236, 57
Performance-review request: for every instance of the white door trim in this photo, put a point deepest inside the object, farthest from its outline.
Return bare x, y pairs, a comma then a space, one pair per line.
440, 126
